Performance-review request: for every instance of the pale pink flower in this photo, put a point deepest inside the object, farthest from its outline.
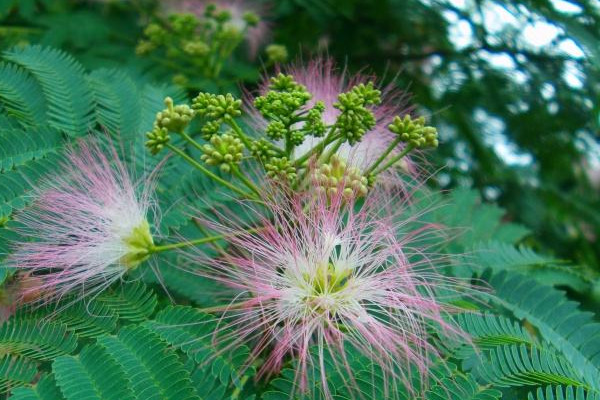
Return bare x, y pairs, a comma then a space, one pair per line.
87, 225
256, 35
326, 83
321, 276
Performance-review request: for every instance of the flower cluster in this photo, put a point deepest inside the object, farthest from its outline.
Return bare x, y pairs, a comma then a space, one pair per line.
333, 261
347, 127
323, 275
87, 227
198, 36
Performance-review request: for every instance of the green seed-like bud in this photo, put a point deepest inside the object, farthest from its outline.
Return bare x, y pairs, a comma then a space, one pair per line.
414, 131
251, 18
276, 53
196, 48
355, 119
156, 34
217, 107
210, 129
262, 149
314, 120
276, 130
224, 150
174, 118
184, 25
144, 47
337, 175
281, 169
157, 138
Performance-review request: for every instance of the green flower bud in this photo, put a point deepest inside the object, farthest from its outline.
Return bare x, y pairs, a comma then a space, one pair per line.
174, 118
281, 169
222, 16
276, 130
355, 119
217, 107
144, 47
285, 83
184, 25
224, 150
156, 34
196, 48
296, 137
414, 131
210, 129
251, 18
314, 120
262, 149
336, 175
276, 53
157, 138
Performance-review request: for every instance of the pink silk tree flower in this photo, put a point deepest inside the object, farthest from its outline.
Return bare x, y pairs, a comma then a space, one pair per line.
326, 83
87, 224
322, 276
246, 16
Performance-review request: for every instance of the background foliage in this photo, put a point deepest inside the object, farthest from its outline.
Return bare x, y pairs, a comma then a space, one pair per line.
513, 90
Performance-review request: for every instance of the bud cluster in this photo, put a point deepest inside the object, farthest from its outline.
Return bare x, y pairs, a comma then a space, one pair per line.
355, 118
174, 118
223, 151
337, 175
414, 132
199, 42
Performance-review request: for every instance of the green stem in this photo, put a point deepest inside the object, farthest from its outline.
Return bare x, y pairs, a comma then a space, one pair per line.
204, 240
383, 156
191, 141
395, 159
246, 181
318, 149
238, 131
201, 168
333, 149
238, 390
246, 140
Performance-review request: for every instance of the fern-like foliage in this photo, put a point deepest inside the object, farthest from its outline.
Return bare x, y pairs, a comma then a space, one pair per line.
499, 256
513, 365
44, 389
489, 330
40, 340
19, 95
461, 387
195, 334
15, 371
70, 101
158, 373
562, 393
92, 375
574, 333
118, 103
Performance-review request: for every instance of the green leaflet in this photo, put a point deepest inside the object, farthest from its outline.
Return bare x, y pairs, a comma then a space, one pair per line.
156, 372
196, 334
44, 389
92, 375
574, 333
15, 371
19, 93
41, 340
69, 99
562, 393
